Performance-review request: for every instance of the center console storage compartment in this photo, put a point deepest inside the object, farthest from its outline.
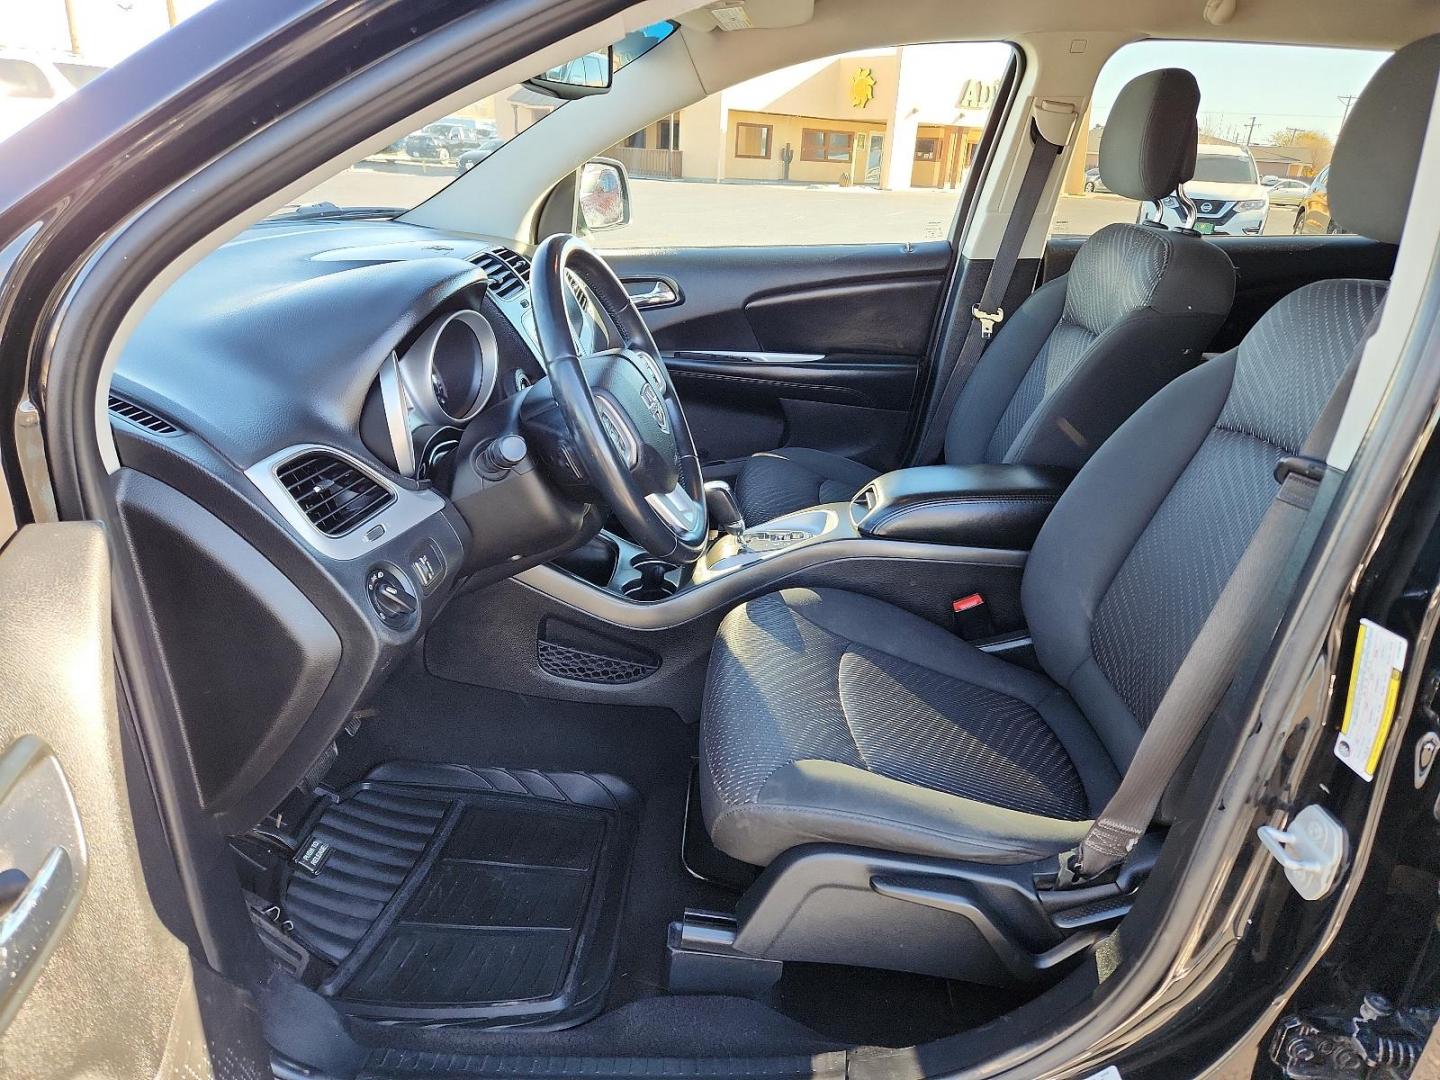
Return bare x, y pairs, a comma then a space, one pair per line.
992, 506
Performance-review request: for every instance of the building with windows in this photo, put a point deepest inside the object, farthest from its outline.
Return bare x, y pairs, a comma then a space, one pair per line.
908, 117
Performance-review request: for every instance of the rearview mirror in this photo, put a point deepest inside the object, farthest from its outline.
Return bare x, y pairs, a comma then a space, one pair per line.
604, 195
581, 77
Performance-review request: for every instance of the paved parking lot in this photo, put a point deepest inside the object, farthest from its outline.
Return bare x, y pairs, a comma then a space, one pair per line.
678, 213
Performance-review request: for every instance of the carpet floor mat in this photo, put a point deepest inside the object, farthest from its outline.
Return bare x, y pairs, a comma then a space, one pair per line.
454, 894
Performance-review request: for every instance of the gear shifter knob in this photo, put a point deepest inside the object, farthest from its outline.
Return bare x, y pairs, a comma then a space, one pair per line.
724, 511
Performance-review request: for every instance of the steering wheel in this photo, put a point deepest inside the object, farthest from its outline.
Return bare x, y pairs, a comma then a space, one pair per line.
623, 416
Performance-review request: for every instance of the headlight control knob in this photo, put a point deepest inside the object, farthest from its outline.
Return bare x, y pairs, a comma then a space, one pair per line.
391, 596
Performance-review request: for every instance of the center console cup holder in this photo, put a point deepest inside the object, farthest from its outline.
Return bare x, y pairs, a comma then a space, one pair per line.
653, 580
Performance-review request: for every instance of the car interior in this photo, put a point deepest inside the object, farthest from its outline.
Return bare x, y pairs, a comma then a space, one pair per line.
727, 652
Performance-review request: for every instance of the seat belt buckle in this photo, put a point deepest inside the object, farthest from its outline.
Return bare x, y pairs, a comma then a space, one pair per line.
988, 320
1067, 874
970, 618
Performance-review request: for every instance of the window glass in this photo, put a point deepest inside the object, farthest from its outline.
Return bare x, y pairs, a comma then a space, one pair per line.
752, 140
416, 166
832, 146
862, 148
1269, 118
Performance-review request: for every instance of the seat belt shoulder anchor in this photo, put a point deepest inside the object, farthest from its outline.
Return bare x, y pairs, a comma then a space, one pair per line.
988, 320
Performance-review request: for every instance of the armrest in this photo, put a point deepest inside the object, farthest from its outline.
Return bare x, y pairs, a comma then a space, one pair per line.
993, 506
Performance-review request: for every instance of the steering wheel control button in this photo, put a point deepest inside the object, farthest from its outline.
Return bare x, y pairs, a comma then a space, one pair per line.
618, 431
649, 367
392, 596
428, 565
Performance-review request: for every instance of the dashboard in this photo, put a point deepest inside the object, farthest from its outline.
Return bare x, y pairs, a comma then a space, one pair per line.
284, 416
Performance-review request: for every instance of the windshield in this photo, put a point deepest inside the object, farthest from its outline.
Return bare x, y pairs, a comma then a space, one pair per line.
416, 166
1225, 169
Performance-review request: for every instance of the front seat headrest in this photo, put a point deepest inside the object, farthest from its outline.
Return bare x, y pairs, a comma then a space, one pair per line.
1373, 168
1148, 149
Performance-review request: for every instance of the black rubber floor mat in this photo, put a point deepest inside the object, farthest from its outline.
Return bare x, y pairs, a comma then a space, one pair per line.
445, 893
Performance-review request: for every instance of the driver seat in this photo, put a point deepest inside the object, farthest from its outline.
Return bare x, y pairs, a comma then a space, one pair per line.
833, 717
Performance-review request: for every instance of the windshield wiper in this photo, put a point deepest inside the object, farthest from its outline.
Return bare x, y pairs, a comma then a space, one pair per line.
331, 211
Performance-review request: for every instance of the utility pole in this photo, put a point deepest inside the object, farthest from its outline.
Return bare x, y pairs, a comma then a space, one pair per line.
1347, 100
1250, 135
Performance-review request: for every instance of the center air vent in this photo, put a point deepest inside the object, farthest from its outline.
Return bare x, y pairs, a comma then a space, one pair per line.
508, 271
334, 494
141, 418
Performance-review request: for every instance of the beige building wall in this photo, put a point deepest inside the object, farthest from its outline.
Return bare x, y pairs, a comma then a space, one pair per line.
889, 95
703, 137
817, 95
785, 128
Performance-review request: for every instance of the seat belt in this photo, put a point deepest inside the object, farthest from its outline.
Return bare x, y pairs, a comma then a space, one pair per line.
989, 312
1268, 568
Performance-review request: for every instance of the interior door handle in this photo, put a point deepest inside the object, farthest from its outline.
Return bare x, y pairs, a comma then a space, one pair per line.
659, 294
43, 865
28, 930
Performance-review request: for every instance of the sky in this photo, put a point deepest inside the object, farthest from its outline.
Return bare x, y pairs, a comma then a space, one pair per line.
1282, 86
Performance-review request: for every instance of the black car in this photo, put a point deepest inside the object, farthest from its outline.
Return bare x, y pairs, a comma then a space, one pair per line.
469, 639
442, 142
470, 158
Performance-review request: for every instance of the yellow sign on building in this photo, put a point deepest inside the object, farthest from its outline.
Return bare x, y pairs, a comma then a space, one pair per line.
862, 88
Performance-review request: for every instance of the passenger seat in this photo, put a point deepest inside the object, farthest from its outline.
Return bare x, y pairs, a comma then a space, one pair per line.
1138, 307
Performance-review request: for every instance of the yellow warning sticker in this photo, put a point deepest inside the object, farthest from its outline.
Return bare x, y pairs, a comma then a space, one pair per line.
1370, 702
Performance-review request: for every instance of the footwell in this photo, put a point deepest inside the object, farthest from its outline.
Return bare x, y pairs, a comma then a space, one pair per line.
452, 894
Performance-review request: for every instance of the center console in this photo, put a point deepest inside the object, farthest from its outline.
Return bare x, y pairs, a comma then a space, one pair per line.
974, 514
1001, 506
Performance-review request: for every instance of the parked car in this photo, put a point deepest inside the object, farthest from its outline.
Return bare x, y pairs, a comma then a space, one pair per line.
1093, 181
426, 146
1289, 192
470, 158
444, 141
1227, 193
1314, 213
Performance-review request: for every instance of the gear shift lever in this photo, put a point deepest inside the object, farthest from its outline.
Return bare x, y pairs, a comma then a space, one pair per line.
724, 511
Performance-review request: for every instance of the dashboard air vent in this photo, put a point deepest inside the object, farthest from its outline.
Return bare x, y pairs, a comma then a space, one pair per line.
332, 493
508, 271
140, 417
582, 297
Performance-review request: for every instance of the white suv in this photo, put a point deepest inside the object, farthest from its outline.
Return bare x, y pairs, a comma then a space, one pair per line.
1226, 191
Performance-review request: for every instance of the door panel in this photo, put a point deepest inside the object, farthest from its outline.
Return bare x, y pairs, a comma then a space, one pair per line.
802, 346
65, 826
1267, 268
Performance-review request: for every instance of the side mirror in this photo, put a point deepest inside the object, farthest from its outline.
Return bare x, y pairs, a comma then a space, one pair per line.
603, 195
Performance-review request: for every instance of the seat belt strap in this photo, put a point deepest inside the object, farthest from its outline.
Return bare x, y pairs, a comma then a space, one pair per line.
1268, 568
990, 312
